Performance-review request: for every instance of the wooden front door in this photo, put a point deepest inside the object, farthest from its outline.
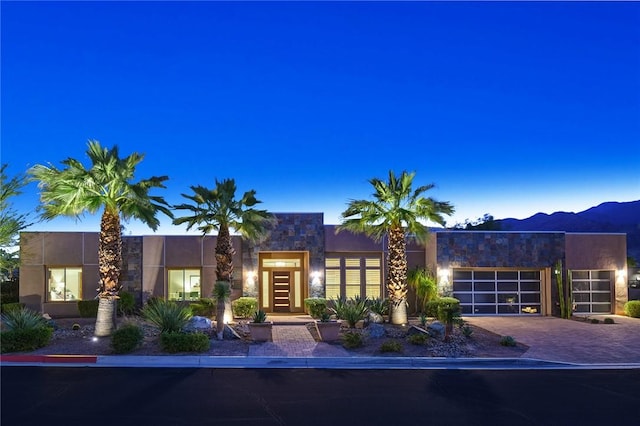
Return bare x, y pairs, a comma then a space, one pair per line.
281, 290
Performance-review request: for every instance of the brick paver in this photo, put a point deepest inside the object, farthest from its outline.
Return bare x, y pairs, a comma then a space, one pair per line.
555, 339
294, 341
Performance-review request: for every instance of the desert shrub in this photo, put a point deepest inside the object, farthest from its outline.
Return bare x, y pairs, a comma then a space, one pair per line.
448, 309
391, 346
126, 338
378, 305
244, 307
594, 321
11, 306
507, 341
204, 307
88, 308
316, 306
126, 303
168, 316
75, 326
418, 339
352, 339
23, 340
423, 319
350, 310
184, 342
22, 319
632, 308
466, 330
608, 321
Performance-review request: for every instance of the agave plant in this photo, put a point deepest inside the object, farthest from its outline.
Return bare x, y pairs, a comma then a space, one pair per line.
168, 316
22, 319
350, 310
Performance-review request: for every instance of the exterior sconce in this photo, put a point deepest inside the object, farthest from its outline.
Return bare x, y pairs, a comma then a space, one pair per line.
315, 278
621, 273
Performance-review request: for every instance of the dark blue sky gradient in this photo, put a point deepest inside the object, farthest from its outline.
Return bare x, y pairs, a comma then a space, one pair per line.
510, 108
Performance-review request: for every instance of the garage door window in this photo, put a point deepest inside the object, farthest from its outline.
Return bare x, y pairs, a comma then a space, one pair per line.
592, 291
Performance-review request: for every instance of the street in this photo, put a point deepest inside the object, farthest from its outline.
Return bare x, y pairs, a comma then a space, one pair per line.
183, 396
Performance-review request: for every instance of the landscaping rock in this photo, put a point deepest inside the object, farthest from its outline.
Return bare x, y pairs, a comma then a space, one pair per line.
229, 333
436, 329
374, 318
198, 324
375, 331
416, 330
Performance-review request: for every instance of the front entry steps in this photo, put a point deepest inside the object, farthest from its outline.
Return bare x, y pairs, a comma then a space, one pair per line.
294, 341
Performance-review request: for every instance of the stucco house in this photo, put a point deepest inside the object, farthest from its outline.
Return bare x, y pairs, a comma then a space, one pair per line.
490, 272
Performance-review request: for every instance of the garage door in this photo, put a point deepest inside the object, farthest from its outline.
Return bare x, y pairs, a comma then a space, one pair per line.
592, 291
485, 292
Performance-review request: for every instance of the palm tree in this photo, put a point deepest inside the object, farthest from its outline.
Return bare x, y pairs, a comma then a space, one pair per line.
75, 190
395, 212
218, 210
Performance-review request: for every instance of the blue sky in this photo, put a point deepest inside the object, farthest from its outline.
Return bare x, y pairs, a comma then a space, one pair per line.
510, 108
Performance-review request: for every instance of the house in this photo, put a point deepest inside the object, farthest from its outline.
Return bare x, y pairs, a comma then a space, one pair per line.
490, 272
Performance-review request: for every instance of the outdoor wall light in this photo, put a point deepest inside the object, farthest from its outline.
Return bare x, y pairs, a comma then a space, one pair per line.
621, 273
315, 277
444, 273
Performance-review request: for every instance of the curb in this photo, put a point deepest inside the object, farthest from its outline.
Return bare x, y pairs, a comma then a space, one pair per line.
333, 363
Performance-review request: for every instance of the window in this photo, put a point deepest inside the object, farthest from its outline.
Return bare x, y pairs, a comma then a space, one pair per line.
65, 284
353, 275
184, 284
592, 291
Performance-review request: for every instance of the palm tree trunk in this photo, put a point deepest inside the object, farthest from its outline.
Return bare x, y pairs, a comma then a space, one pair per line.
109, 267
224, 255
397, 277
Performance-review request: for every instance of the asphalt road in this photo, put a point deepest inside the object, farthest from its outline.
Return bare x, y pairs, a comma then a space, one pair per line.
183, 396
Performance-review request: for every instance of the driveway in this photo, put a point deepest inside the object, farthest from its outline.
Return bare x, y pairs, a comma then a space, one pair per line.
555, 339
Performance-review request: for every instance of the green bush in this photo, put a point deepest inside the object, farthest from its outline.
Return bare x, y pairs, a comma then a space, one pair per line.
352, 339
594, 321
350, 310
507, 341
126, 303
431, 308
244, 307
608, 321
632, 308
88, 308
184, 342
126, 338
315, 306
204, 307
168, 316
23, 340
418, 339
391, 346
11, 307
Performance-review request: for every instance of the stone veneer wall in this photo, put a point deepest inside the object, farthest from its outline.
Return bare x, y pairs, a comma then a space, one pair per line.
131, 276
457, 249
293, 232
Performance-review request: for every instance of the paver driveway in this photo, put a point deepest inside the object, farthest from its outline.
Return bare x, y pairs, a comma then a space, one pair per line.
555, 339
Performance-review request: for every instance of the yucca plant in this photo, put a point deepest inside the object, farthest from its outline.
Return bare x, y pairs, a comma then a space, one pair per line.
259, 317
22, 319
168, 316
379, 305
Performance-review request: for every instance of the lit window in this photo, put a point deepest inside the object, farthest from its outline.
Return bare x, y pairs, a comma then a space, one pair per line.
353, 276
184, 284
65, 284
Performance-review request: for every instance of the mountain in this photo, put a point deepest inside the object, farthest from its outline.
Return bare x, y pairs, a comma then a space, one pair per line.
606, 217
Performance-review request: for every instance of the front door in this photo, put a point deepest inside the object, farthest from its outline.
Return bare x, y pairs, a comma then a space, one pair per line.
281, 288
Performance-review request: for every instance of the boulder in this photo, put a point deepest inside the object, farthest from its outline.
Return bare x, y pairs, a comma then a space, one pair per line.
229, 333
374, 318
197, 323
436, 329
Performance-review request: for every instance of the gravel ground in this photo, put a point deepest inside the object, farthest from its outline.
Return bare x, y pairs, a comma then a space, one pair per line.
481, 343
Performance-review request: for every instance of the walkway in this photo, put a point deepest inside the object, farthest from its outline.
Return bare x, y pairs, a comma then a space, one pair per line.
555, 339
295, 341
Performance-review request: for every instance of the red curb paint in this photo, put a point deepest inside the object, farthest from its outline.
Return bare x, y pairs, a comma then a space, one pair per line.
50, 359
